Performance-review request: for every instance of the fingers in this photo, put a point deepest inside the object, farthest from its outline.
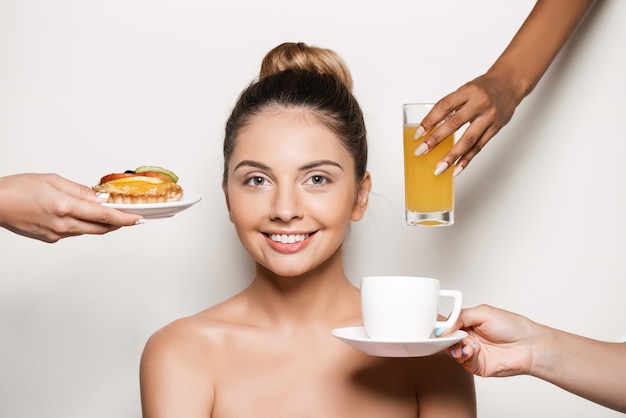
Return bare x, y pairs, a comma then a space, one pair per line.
49, 207
103, 215
80, 202
441, 122
58, 228
90, 220
470, 318
446, 126
74, 189
468, 145
75, 227
465, 148
474, 317
463, 350
75, 216
473, 103
455, 327
466, 353
442, 110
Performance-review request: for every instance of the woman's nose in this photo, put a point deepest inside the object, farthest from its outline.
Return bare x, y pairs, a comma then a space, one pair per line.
286, 205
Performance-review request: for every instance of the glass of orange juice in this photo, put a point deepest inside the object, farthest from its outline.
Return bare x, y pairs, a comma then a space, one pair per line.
429, 199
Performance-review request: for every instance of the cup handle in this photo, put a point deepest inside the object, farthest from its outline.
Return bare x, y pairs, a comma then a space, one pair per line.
456, 309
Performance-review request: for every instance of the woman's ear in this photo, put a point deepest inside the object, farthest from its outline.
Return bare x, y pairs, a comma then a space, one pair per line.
362, 197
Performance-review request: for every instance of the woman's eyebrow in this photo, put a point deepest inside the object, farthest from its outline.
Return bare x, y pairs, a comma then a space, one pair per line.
309, 166
316, 164
251, 163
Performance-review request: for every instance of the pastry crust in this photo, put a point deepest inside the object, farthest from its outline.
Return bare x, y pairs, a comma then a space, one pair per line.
138, 192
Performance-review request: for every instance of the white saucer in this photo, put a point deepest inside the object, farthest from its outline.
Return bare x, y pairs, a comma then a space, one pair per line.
158, 210
357, 337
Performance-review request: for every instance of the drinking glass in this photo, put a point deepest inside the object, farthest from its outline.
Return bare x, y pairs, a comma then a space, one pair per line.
429, 199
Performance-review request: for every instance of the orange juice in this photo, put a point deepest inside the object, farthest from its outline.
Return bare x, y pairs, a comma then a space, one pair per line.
425, 192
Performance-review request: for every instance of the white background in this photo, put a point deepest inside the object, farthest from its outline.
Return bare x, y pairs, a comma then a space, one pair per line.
91, 87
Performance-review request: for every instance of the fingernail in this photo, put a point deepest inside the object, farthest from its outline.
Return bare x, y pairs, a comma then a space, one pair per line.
463, 351
441, 167
421, 149
103, 196
457, 170
419, 132
473, 345
438, 331
140, 221
452, 352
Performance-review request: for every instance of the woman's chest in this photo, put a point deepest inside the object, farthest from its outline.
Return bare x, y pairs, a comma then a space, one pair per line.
319, 378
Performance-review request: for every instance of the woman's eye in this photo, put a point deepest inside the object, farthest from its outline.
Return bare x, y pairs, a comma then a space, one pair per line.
256, 181
317, 180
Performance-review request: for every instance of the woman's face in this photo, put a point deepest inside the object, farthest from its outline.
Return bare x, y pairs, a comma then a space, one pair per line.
291, 191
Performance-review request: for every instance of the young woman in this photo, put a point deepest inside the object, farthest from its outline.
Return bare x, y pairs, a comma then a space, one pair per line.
295, 176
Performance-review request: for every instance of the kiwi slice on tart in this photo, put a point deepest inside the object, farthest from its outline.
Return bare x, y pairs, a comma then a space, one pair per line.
157, 169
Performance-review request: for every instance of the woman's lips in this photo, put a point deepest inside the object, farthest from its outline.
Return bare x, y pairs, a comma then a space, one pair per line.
288, 243
288, 238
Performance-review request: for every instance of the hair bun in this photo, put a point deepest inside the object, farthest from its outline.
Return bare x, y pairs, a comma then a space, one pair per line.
298, 56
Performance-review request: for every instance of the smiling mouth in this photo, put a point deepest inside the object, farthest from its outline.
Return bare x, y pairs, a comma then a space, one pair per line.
288, 238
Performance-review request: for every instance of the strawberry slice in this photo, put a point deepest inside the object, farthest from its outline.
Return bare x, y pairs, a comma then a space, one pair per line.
115, 176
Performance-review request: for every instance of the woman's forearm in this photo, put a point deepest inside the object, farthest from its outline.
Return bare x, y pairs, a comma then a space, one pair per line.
537, 42
593, 369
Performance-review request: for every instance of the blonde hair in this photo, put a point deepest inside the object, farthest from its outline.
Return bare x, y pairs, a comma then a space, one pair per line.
298, 56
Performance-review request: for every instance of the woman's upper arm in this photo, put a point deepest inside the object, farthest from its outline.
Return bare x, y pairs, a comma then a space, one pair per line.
174, 377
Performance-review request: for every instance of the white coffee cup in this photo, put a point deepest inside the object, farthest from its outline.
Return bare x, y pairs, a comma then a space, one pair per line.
404, 308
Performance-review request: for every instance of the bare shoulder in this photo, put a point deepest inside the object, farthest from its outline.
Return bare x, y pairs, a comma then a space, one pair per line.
195, 335
180, 365
182, 336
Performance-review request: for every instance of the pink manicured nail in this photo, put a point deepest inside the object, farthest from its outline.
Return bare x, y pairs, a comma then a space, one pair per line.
140, 221
419, 132
421, 149
441, 167
457, 170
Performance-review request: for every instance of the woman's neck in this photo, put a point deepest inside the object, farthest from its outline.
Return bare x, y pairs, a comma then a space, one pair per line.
323, 295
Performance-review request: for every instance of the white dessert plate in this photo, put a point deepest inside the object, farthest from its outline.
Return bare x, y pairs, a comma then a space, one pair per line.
357, 337
158, 210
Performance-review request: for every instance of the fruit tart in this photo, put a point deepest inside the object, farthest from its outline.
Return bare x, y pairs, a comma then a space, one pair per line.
145, 184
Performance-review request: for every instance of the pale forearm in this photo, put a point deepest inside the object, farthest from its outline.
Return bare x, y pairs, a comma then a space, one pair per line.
537, 42
589, 368
7, 202
2, 206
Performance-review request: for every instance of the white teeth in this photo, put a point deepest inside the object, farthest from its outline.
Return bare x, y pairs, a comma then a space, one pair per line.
288, 239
